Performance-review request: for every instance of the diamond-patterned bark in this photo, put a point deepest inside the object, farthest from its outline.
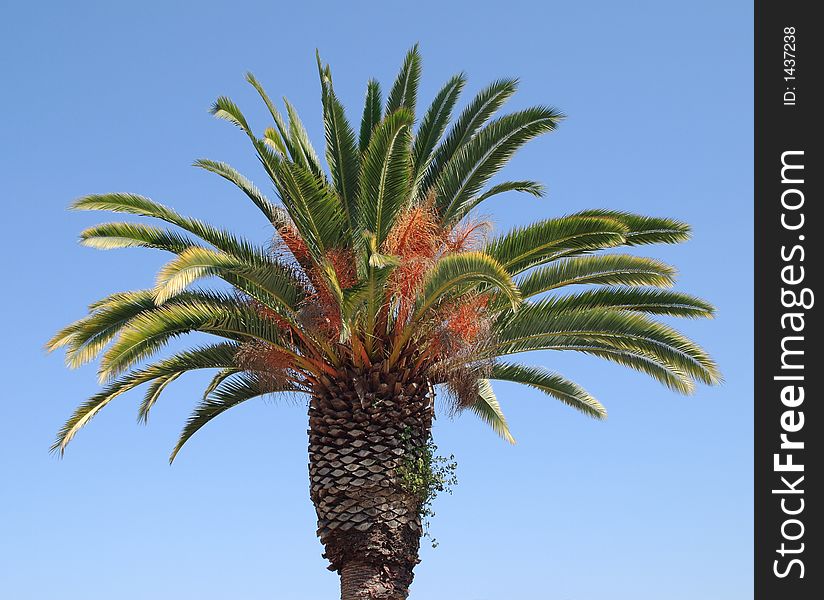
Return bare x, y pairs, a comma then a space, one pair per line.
361, 425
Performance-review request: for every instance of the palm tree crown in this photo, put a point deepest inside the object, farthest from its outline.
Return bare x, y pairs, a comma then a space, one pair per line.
380, 284
378, 262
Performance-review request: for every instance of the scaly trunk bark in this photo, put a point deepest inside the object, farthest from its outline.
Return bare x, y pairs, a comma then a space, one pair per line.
361, 428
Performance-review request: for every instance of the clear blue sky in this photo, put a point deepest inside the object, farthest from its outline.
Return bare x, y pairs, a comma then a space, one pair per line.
653, 504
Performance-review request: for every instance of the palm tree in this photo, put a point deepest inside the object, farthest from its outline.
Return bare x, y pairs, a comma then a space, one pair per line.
379, 287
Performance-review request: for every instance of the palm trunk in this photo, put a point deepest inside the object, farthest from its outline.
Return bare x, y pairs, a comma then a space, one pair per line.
362, 427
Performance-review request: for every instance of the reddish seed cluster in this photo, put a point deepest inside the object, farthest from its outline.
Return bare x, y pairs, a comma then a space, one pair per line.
289, 237
416, 239
468, 320
467, 235
271, 365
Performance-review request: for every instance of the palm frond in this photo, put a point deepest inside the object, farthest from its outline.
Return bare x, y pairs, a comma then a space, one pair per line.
214, 356
268, 281
273, 213
485, 154
142, 206
465, 269
642, 229
489, 410
342, 153
657, 302
533, 188
314, 207
279, 138
153, 394
306, 155
434, 124
404, 91
612, 269
224, 108
552, 384
228, 394
472, 118
151, 330
543, 241
371, 114
384, 177
110, 236
537, 326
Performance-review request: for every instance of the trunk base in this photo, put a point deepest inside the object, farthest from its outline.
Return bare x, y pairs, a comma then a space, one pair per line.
361, 581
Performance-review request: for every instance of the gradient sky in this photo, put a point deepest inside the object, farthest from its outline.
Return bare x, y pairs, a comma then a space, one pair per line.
653, 504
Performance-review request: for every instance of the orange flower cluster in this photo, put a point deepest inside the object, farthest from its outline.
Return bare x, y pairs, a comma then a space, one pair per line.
416, 239
271, 365
468, 320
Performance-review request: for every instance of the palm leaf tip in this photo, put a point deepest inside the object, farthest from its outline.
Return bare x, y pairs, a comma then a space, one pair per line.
552, 384
488, 409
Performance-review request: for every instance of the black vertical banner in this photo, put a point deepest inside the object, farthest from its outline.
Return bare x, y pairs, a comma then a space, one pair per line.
789, 226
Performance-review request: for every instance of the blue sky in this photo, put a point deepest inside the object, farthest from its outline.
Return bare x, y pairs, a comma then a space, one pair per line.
653, 503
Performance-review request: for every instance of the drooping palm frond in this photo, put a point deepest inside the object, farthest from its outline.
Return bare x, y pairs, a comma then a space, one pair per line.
377, 260
227, 394
611, 269
545, 241
552, 384
274, 214
488, 409
537, 327
208, 357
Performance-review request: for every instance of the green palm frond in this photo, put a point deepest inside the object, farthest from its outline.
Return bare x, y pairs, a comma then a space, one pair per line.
612, 269
643, 229
468, 269
485, 154
86, 338
305, 152
268, 281
208, 357
552, 384
313, 206
342, 153
144, 207
151, 330
537, 326
228, 394
648, 363
224, 108
530, 187
371, 114
219, 377
657, 302
153, 394
473, 117
544, 241
434, 124
274, 214
110, 236
279, 138
384, 177
489, 410
404, 91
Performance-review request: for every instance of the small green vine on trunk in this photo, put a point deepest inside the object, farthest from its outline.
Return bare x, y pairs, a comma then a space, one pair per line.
424, 474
